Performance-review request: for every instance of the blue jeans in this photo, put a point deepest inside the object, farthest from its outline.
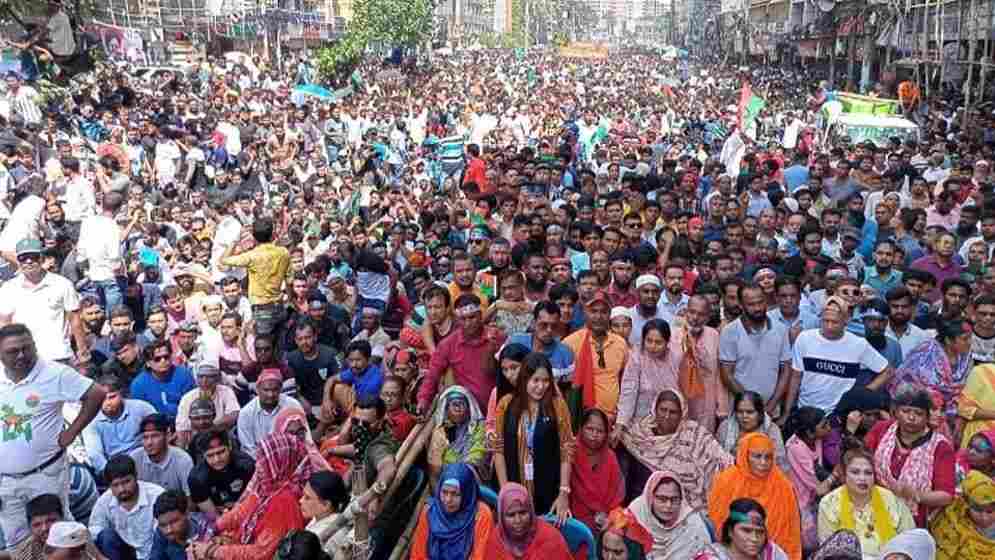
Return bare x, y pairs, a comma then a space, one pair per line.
111, 545
112, 293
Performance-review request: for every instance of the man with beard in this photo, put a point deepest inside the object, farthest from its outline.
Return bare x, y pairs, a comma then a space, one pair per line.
606, 352
987, 235
983, 338
489, 279
479, 246
157, 324
729, 292
93, 318
218, 481
707, 399
674, 299
945, 212
47, 303
648, 288
875, 316
176, 527
810, 252
256, 419
831, 240
158, 462
536, 277
122, 519
901, 307
600, 267
209, 387
188, 348
117, 427
313, 364
620, 291
464, 279
546, 319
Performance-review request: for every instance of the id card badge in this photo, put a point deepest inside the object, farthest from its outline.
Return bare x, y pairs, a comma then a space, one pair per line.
529, 471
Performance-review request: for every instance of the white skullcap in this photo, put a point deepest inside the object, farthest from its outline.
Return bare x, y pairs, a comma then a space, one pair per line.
648, 279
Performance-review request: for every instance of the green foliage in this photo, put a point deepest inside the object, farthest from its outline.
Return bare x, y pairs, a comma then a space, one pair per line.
404, 23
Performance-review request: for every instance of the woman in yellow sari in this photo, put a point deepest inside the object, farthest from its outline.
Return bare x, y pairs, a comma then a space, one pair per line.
964, 529
976, 403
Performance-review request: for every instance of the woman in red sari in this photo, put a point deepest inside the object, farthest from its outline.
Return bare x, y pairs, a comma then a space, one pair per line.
269, 508
519, 533
596, 485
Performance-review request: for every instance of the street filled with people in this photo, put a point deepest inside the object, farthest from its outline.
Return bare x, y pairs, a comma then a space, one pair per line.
499, 304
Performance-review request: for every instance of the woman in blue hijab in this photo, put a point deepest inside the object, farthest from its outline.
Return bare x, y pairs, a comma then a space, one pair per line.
455, 524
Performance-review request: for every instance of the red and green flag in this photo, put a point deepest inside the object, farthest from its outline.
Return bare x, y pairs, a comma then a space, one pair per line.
750, 105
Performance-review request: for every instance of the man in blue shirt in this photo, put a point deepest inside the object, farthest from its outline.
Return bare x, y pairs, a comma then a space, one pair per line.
117, 427
177, 527
797, 174
545, 320
162, 384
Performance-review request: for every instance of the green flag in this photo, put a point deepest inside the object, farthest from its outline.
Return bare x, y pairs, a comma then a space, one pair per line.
750, 106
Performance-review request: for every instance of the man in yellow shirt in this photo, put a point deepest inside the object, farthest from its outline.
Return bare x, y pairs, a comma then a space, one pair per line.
267, 266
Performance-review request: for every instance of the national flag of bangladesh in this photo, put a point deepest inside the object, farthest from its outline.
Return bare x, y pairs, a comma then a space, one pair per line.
750, 105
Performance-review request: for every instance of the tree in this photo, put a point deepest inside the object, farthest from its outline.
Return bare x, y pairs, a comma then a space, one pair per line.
398, 23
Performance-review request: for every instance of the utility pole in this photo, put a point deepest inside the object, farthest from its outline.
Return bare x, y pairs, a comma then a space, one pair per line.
746, 31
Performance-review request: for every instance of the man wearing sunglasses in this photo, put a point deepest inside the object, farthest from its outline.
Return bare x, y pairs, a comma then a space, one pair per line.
46, 304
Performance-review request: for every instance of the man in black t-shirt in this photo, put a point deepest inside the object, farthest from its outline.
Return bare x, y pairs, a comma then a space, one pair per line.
218, 481
312, 364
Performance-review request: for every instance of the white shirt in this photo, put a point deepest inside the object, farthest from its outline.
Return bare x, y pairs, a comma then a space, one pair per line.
32, 414
830, 367
254, 423
24, 223
100, 245
136, 527
81, 201
42, 307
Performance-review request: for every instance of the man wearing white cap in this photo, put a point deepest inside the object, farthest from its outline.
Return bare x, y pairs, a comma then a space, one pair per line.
649, 288
70, 540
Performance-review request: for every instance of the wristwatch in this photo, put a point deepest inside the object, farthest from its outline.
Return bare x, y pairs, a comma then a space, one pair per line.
379, 488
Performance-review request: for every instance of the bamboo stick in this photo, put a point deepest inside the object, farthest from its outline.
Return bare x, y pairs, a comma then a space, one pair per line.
405, 463
404, 542
361, 526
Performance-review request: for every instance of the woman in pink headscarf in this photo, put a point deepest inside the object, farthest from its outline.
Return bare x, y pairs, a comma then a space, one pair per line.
520, 534
293, 422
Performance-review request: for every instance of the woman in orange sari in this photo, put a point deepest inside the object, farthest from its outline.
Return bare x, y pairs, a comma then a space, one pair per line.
756, 476
454, 525
519, 533
269, 508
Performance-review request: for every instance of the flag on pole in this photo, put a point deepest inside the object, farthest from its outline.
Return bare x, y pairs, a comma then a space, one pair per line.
750, 105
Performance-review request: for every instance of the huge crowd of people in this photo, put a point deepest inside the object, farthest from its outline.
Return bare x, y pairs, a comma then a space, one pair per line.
620, 324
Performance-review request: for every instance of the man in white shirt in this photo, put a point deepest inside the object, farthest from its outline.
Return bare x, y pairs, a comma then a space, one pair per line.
33, 443
123, 517
100, 248
25, 220
256, 420
827, 361
80, 199
46, 303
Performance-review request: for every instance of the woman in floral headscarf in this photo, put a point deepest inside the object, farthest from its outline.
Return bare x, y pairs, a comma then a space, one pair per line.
520, 534
460, 435
292, 421
964, 530
270, 506
677, 529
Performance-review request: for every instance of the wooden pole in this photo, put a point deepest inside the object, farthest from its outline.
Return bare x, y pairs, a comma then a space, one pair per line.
968, 82
361, 527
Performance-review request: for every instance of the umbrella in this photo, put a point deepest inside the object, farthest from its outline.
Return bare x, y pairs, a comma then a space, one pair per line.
301, 93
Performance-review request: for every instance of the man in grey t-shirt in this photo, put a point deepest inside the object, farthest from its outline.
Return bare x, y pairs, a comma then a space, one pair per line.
754, 352
158, 462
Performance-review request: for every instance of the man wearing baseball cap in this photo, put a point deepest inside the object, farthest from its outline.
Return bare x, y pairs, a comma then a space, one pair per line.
599, 357
70, 540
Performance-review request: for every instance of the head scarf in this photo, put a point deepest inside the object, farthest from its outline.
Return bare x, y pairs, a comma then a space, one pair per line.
773, 491
450, 535
460, 440
511, 495
928, 366
841, 545
955, 532
595, 490
281, 463
282, 423
680, 539
917, 544
963, 465
690, 453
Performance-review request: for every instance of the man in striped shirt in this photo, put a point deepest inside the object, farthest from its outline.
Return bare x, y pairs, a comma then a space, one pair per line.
451, 157
22, 100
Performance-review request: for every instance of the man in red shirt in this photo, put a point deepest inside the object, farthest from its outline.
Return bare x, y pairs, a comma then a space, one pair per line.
476, 170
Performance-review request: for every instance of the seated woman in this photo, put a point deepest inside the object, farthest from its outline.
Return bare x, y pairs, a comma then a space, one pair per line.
874, 513
667, 441
911, 459
978, 455
678, 531
535, 443
965, 530
293, 422
324, 505
750, 415
745, 535
976, 401
624, 538
519, 534
810, 479
455, 524
755, 476
268, 509
596, 484
914, 544
857, 412
841, 545
459, 435
650, 369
